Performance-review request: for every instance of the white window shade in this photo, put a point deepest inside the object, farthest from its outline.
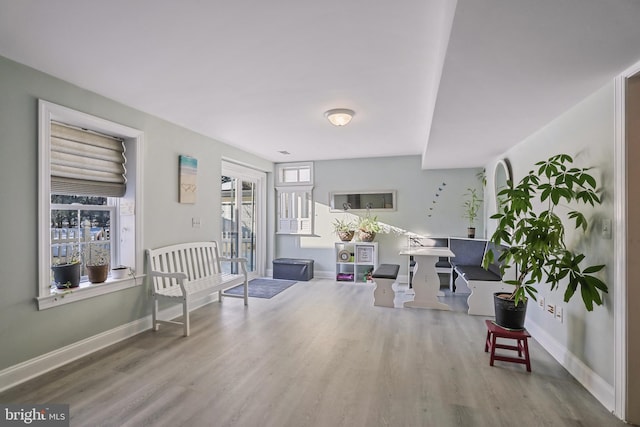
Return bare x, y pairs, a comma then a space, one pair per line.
86, 163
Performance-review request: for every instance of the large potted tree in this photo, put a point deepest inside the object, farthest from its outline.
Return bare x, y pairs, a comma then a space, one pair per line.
534, 237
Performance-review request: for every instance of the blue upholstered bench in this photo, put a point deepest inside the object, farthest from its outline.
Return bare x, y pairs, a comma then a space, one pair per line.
467, 265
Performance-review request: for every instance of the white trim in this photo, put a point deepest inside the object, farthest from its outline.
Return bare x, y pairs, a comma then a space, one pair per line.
259, 178
620, 304
17, 374
620, 251
49, 111
596, 385
82, 293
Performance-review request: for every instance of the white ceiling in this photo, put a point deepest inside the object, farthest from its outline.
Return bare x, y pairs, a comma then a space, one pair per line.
259, 75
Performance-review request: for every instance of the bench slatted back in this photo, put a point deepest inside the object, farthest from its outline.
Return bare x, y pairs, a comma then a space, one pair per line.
197, 260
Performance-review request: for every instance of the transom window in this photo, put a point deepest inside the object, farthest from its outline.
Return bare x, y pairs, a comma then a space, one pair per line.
295, 198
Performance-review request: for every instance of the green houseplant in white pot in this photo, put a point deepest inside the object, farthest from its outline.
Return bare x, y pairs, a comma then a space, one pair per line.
535, 241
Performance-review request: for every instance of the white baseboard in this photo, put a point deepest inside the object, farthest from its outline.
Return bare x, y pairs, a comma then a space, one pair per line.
595, 384
17, 374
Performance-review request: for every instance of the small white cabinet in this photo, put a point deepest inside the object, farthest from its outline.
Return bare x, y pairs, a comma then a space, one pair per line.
355, 261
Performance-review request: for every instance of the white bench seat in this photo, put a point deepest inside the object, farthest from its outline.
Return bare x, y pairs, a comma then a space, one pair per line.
188, 271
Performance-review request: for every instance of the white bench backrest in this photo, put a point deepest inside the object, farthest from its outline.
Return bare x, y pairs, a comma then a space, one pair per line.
197, 260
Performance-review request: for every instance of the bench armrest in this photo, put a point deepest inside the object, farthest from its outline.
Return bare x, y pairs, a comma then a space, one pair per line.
241, 261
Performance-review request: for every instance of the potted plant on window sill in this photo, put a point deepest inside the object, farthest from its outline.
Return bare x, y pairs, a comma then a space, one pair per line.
535, 242
96, 261
471, 209
67, 274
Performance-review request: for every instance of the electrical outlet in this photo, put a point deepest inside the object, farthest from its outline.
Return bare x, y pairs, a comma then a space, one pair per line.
195, 222
541, 303
551, 309
559, 314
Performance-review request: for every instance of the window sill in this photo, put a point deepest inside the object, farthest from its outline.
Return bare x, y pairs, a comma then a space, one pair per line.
86, 290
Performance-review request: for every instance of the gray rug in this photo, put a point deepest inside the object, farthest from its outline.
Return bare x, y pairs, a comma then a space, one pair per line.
263, 288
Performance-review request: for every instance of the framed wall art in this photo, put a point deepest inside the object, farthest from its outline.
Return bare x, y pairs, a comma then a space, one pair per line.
188, 179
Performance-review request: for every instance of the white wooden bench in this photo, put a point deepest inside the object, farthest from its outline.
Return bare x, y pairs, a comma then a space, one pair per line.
187, 271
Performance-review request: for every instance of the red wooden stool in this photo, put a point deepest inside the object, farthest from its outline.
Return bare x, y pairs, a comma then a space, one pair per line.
494, 331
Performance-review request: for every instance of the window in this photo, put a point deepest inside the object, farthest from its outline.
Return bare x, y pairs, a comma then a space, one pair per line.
89, 200
363, 201
295, 198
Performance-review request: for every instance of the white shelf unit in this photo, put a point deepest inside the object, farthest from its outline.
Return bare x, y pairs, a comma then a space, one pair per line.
354, 260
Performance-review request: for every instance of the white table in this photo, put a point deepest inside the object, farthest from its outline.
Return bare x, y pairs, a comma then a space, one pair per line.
426, 283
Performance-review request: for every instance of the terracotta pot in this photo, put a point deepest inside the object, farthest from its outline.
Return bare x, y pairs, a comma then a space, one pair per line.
97, 273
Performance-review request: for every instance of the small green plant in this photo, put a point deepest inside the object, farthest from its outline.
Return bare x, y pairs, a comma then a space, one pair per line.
343, 225
95, 254
370, 224
72, 258
471, 206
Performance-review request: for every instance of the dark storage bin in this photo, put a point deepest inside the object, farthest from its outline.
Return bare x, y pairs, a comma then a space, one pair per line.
293, 269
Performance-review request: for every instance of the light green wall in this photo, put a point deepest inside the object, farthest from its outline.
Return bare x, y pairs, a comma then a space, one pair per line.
26, 332
586, 132
416, 194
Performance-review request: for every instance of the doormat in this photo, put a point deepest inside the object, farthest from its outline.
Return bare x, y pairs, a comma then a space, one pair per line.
262, 288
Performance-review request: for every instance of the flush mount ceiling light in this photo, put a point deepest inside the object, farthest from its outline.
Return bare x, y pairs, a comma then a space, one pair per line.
339, 116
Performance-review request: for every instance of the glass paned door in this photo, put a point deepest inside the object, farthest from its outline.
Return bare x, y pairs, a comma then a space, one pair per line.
239, 207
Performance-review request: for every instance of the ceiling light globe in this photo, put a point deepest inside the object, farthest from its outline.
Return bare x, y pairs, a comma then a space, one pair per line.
339, 116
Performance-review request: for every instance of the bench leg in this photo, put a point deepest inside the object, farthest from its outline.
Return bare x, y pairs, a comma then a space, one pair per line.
154, 315
383, 294
185, 316
246, 292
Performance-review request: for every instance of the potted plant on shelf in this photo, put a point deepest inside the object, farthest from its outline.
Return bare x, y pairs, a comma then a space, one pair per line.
344, 228
367, 228
471, 209
96, 260
535, 242
66, 274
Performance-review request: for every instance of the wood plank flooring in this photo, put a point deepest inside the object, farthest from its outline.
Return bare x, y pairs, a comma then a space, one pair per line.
318, 354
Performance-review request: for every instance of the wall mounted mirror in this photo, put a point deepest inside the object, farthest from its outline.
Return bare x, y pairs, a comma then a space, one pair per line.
363, 200
501, 176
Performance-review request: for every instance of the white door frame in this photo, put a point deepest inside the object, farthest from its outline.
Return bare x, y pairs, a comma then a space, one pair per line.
621, 186
259, 178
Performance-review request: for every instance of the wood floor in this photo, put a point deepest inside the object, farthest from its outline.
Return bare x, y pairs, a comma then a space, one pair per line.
318, 354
